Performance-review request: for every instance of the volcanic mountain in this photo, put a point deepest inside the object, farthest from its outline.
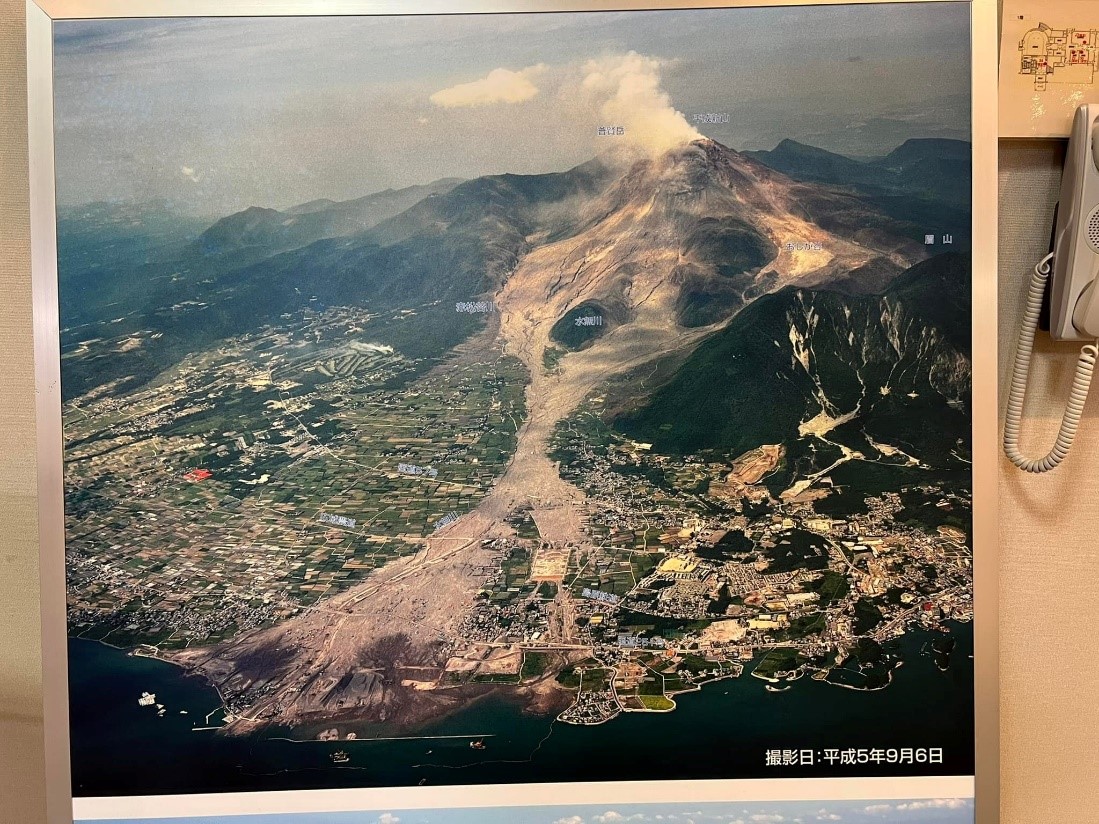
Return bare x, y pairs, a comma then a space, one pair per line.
681, 242
670, 254
678, 242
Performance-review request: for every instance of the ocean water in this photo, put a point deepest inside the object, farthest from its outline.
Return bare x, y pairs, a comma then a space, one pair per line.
723, 731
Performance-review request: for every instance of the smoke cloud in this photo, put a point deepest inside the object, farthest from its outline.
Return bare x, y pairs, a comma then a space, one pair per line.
628, 92
620, 91
499, 86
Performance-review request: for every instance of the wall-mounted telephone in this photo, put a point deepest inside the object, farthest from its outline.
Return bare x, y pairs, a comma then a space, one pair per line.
1074, 292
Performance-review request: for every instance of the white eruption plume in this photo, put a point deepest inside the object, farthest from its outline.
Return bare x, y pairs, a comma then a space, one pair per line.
628, 86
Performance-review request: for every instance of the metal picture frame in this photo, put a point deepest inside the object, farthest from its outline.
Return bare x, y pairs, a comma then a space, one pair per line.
41, 15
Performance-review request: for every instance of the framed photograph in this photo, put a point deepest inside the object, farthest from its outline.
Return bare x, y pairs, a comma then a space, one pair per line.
556, 412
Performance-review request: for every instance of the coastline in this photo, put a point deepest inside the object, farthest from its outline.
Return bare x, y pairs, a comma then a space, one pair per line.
464, 697
152, 755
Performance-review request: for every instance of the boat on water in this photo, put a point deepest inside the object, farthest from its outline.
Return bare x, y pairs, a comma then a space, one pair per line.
340, 757
479, 744
147, 699
773, 688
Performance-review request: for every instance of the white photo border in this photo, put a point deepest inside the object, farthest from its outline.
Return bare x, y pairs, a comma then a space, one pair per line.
61, 807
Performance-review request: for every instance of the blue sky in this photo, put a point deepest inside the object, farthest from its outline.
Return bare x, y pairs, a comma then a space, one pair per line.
218, 114
921, 811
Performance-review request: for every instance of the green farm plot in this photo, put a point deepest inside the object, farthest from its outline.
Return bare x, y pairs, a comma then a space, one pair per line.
805, 625
651, 684
536, 664
277, 447
495, 678
595, 679
781, 659
523, 524
569, 677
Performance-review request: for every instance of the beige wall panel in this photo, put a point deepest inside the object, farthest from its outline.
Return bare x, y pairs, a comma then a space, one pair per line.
21, 757
1049, 541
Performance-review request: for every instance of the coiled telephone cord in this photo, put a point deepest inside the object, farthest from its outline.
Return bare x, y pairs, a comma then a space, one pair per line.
1074, 410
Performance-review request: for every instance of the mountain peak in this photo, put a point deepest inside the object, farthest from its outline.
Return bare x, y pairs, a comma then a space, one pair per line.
702, 156
253, 212
790, 147
706, 143
934, 148
239, 229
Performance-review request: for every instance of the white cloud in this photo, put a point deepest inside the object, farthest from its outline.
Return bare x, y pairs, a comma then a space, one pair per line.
498, 86
936, 804
628, 88
768, 818
572, 819
388, 818
915, 806
823, 816
609, 816
191, 174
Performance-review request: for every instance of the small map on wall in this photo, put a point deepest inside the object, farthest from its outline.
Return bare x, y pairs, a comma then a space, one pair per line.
1049, 65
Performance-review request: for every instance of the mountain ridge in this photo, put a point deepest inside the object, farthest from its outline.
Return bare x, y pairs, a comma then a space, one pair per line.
309, 222
932, 168
899, 357
696, 233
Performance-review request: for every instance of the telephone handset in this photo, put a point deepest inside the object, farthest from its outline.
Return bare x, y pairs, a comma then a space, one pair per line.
1074, 311
1074, 293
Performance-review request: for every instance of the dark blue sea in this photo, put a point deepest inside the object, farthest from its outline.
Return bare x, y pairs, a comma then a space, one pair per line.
723, 731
